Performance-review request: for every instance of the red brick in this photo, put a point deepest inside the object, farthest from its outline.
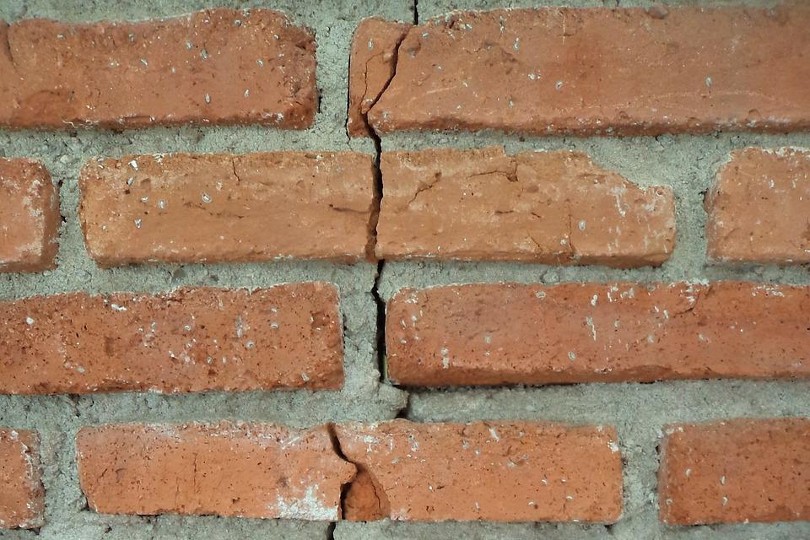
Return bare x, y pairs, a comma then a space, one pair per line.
220, 66
735, 471
223, 208
489, 334
373, 57
759, 207
29, 217
287, 336
597, 71
494, 471
544, 207
22, 497
229, 469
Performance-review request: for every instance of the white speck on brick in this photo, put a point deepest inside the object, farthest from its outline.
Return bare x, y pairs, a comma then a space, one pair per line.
29, 321
308, 507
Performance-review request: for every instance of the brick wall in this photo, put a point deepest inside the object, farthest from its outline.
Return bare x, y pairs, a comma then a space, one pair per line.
388, 270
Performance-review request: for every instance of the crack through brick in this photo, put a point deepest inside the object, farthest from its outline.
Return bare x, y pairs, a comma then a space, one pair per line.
368, 499
363, 480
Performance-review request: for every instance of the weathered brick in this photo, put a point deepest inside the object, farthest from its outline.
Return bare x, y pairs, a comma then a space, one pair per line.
29, 217
559, 70
287, 336
545, 207
494, 471
759, 207
220, 66
223, 208
22, 497
228, 469
489, 334
735, 471
373, 57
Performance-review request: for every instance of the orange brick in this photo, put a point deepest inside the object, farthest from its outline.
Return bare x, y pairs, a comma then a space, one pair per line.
559, 70
493, 471
735, 471
224, 208
22, 497
759, 207
246, 470
29, 217
543, 207
373, 57
220, 66
191, 340
489, 334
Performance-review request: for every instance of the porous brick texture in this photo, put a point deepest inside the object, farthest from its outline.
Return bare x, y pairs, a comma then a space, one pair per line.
552, 208
494, 471
219, 66
558, 70
759, 207
21, 497
491, 334
399, 269
193, 339
735, 471
246, 470
215, 208
29, 217
375, 47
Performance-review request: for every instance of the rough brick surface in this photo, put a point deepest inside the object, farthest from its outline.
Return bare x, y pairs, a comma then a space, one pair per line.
586, 332
288, 336
736, 471
22, 498
546, 207
493, 471
220, 66
223, 207
249, 470
29, 217
373, 58
559, 70
759, 207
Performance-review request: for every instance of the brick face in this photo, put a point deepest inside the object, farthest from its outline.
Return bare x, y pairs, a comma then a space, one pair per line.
224, 208
557, 70
494, 471
229, 469
219, 66
373, 57
735, 471
22, 496
490, 334
191, 340
545, 207
759, 207
29, 217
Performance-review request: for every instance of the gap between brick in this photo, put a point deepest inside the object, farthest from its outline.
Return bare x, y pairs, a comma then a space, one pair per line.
375, 214
362, 498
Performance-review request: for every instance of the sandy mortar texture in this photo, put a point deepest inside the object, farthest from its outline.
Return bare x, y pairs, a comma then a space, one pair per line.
639, 411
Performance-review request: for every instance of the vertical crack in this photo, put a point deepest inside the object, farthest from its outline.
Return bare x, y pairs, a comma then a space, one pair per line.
415, 11
363, 498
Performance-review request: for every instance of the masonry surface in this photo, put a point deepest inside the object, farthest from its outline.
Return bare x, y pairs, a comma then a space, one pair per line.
367, 214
